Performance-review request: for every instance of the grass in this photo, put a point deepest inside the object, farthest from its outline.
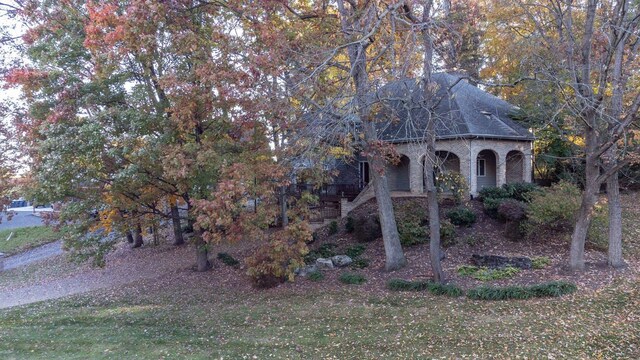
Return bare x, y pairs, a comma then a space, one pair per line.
26, 238
195, 319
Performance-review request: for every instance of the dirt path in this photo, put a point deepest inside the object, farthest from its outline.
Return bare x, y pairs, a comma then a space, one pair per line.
124, 266
33, 255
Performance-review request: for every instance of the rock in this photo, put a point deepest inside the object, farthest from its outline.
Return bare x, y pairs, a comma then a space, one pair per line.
341, 260
499, 262
323, 263
304, 271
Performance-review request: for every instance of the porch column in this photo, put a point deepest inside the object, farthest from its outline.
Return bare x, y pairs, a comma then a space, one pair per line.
528, 163
501, 169
473, 175
415, 173
465, 168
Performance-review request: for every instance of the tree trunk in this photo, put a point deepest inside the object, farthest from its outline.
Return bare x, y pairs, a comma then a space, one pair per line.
202, 253
178, 239
395, 258
137, 241
283, 206
589, 198
434, 219
129, 237
156, 237
429, 162
615, 223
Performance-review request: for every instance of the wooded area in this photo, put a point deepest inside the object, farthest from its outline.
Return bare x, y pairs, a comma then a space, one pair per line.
201, 113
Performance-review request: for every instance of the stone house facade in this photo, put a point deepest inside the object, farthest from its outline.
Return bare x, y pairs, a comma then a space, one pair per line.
475, 136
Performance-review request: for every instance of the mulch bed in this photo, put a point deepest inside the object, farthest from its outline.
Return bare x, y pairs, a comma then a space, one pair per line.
489, 240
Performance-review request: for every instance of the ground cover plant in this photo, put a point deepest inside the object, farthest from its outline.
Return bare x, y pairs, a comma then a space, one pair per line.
487, 274
352, 278
550, 289
26, 238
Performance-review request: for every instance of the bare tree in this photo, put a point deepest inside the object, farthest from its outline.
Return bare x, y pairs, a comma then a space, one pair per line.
591, 47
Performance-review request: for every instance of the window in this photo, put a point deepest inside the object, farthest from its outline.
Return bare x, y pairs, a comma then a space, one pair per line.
363, 173
480, 169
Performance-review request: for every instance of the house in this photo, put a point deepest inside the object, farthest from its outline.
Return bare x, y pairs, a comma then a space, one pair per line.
475, 136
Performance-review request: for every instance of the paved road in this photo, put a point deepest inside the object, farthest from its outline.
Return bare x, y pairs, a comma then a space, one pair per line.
35, 254
20, 219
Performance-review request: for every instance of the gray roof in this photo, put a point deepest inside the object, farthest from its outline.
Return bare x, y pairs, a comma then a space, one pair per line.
461, 111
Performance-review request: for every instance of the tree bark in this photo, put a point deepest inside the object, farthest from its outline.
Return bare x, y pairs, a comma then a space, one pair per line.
202, 253
137, 240
589, 198
394, 256
283, 206
615, 216
178, 239
434, 219
429, 163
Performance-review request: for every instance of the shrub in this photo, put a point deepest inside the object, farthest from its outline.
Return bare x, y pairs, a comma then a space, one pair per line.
447, 233
316, 276
410, 220
360, 263
411, 211
521, 191
355, 250
492, 192
227, 259
472, 239
352, 278
276, 261
491, 206
367, 228
554, 207
349, 226
540, 262
512, 210
549, 289
486, 274
514, 213
461, 216
411, 232
333, 227
324, 251
454, 183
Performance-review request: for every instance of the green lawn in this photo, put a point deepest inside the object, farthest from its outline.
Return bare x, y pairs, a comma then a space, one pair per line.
25, 238
192, 319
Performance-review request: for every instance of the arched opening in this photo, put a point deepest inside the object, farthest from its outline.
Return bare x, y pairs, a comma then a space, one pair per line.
515, 167
486, 169
446, 162
398, 175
